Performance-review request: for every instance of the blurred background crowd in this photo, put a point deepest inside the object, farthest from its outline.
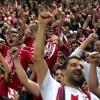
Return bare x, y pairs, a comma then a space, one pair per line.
74, 21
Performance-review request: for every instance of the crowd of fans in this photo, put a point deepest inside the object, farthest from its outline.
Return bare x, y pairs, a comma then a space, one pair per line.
49, 49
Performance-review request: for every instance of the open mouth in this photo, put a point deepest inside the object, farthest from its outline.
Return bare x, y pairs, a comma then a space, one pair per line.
78, 73
10, 42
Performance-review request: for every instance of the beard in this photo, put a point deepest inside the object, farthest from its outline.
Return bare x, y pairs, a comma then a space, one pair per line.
76, 82
59, 81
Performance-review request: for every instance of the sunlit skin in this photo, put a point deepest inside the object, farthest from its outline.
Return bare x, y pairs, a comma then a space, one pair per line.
74, 72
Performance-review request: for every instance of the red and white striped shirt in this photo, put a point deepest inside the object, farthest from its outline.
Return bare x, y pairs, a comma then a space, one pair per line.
50, 86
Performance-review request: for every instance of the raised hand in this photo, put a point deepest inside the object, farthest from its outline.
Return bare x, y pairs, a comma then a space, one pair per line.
94, 58
14, 52
93, 37
45, 18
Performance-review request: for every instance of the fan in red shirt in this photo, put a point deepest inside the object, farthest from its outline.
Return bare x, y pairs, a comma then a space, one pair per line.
26, 59
3, 83
5, 76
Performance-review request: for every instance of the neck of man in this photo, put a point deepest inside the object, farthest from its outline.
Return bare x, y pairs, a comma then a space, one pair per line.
72, 84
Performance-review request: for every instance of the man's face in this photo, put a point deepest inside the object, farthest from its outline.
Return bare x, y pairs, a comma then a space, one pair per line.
49, 32
65, 30
73, 47
60, 59
59, 75
13, 39
74, 71
97, 46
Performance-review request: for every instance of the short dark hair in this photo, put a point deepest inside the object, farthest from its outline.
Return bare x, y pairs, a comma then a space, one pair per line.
59, 66
64, 65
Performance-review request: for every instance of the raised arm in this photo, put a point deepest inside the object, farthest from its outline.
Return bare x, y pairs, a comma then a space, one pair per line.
85, 24
6, 67
5, 64
30, 85
91, 37
94, 86
40, 64
78, 52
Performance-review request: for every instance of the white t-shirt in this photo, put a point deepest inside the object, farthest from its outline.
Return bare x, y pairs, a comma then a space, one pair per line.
78, 52
49, 90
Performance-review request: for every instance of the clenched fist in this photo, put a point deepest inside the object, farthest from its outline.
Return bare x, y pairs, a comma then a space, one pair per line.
45, 18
